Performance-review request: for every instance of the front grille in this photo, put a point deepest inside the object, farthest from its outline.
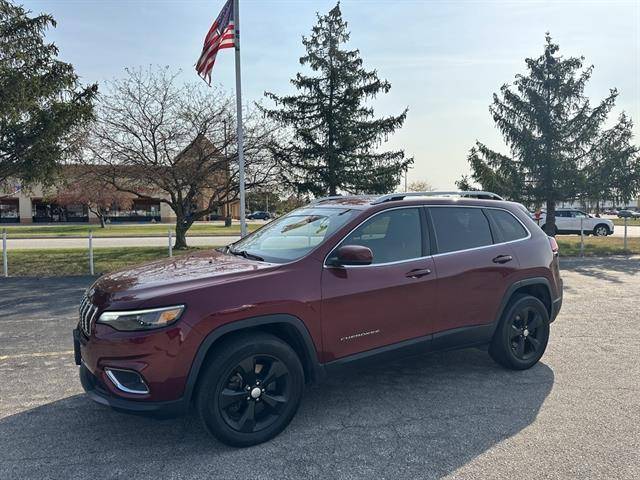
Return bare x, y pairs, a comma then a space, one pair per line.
88, 313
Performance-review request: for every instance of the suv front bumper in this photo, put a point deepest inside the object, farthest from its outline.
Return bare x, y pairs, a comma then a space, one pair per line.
96, 389
98, 393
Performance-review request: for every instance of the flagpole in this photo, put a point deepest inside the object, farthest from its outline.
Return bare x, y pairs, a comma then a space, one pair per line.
240, 131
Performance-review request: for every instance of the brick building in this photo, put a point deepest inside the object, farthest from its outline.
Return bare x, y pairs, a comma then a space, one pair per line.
36, 204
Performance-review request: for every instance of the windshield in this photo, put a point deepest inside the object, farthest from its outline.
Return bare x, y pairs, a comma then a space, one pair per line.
292, 236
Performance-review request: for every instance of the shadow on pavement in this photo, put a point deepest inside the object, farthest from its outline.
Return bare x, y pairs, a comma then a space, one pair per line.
23, 297
418, 418
603, 268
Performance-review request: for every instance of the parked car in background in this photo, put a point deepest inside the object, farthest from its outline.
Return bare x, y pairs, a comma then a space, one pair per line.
571, 220
236, 333
628, 214
611, 211
260, 215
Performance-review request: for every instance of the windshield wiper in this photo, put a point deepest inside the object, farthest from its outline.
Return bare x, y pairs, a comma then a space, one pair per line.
245, 254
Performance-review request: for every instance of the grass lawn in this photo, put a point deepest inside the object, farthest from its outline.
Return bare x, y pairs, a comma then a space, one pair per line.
159, 230
597, 246
75, 261
620, 222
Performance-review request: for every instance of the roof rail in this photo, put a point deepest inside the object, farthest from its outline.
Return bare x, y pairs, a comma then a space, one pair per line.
465, 194
323, 199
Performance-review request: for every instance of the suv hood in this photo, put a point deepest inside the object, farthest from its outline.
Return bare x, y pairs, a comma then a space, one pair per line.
172, 275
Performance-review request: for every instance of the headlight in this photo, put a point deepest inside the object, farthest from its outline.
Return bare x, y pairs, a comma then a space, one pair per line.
142, 319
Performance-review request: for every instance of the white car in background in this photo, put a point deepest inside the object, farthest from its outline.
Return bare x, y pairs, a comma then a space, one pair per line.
569, 220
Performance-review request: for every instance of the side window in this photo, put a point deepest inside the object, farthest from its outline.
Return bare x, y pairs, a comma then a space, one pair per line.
509, 227
460, 228
392, 236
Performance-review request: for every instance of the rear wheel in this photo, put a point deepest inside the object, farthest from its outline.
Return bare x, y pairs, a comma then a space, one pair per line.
601, 230
250, 390
522, 334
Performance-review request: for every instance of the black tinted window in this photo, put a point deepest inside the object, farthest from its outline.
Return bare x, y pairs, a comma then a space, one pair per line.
510, 228
459, 228
392, 236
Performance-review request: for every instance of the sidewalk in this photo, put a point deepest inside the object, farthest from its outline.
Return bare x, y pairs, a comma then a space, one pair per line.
83, 242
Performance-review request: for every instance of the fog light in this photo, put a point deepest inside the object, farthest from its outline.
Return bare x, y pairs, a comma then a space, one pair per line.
127, 380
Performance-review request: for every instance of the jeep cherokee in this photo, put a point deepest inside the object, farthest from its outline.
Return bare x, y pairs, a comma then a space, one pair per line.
237, 332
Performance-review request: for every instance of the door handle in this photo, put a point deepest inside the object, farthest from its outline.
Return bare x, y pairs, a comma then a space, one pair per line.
502, 259
418, 273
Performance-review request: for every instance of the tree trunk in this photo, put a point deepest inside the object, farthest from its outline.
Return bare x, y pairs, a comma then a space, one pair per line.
550, 220
101, 218
182, 226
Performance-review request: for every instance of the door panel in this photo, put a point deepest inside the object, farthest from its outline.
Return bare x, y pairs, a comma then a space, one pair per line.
393, 299
471, 286
473, 272
369, 307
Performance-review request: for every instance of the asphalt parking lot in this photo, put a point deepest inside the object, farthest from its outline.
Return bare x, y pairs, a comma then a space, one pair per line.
455, 415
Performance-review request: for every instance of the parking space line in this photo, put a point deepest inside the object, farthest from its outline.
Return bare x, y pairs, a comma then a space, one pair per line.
36, 354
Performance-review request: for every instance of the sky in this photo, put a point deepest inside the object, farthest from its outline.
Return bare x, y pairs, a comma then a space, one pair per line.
444, 59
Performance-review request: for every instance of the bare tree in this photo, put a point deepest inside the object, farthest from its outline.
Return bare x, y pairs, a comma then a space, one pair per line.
80, 186
157, 138
420, 186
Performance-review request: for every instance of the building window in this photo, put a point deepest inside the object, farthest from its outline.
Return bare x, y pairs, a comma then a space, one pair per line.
142, 210
9, 210
50, 212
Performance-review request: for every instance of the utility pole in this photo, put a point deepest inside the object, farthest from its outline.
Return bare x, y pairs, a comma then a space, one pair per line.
406, 174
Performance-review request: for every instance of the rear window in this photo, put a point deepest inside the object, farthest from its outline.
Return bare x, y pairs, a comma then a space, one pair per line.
509, 227
460, 228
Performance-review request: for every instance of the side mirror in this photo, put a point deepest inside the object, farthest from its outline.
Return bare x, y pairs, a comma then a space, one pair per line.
353, 255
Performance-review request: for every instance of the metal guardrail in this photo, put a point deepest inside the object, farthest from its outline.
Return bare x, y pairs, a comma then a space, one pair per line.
5, 262
5, 251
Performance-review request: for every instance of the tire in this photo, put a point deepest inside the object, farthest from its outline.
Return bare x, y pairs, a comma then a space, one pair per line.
238, 401
601, 230
522, 334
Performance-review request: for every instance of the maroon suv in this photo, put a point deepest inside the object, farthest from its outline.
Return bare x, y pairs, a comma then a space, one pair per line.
237, 332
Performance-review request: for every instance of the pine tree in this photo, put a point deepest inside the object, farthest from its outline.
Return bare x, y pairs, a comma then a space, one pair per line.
613, 170
552, 132
334, 136
42, 104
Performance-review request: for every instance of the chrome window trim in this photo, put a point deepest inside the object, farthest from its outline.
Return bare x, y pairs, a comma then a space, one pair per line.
109, 372
483, 246
413, 259
434, 255
378, 264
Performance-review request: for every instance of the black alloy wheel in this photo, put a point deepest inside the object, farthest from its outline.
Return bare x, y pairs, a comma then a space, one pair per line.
250, 388
525, 327
255, 393
522, 334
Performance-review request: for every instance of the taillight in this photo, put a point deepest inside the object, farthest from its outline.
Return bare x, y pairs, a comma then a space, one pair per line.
554, 245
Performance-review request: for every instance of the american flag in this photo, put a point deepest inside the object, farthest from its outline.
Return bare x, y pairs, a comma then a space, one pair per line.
221, 35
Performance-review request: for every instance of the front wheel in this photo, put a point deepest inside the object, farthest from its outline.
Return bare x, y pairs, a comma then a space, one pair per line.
250, 390
601, 231
522, 334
